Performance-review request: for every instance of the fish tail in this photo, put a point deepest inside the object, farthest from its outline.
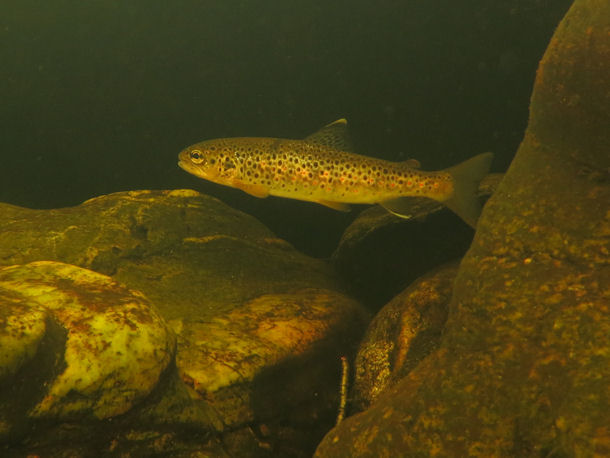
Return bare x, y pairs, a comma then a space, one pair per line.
466, 178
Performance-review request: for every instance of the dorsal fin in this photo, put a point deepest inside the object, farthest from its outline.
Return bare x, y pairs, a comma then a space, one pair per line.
333, 135
412, 163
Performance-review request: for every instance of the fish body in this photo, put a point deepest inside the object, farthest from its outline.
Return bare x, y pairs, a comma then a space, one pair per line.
320, 169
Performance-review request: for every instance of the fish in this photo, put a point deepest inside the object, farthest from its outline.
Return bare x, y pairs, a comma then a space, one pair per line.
323, 168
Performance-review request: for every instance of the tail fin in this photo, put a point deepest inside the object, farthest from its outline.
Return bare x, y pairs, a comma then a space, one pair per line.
466, 178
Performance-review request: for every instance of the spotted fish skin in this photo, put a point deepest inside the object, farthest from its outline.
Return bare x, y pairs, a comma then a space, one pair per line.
315, 170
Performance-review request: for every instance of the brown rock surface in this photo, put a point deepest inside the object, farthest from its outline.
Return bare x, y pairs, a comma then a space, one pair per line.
523, 368
404, 332
189, 253
260, 330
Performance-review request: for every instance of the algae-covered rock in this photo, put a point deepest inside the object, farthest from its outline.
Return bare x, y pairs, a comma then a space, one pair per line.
189, 253
110, 345
523, 368
221, 359
260, 327
22, 326
403, 333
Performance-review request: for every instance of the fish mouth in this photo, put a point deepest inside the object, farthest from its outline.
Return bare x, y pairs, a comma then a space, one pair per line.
192, 169
184, 161
188, 167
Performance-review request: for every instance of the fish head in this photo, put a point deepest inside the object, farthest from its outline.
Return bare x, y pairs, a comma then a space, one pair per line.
209, 160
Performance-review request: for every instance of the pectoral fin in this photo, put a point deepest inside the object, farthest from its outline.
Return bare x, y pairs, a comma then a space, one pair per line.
255, 190
334, 205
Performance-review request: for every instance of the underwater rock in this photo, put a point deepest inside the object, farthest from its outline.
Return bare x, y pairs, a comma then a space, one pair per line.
377, 258
403, 333
523, 368
99, 348
260, 327
187, 252
221, 359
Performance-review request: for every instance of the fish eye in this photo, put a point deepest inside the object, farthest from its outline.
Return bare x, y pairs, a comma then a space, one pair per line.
196, 156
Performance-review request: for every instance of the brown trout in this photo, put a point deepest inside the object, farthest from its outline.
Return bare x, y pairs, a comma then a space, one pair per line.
321, 169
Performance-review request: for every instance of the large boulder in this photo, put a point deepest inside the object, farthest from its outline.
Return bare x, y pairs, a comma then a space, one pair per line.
75, 344
186, 251
402, 334
260, 330
523, 368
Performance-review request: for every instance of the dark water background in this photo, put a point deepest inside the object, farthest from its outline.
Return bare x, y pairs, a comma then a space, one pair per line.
100, 96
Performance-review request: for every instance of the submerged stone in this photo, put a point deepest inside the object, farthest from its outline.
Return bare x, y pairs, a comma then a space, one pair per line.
523, 368
107, 345
242, 361
403, 333
189, 253
260, 328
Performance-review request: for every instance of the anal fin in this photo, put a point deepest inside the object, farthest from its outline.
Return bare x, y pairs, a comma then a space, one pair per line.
334, 205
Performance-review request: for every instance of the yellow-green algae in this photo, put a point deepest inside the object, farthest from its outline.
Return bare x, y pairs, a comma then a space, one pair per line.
523, 368
116, 345
22, 326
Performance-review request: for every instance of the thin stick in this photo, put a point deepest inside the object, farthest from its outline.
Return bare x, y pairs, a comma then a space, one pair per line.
343, 389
